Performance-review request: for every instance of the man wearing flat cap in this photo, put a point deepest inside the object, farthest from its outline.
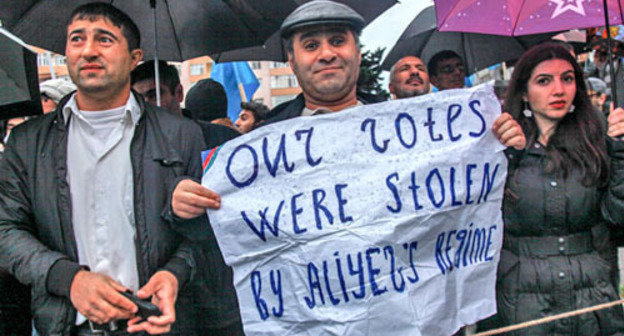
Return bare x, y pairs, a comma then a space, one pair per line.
321, 39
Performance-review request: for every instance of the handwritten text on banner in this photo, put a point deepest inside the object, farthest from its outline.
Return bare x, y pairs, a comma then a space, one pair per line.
378, 220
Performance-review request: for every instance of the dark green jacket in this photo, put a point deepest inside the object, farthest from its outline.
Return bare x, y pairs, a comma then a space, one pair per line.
557, 255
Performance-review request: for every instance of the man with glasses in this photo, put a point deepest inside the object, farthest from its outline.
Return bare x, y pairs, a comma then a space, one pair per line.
597, 92
446, 70
602, 70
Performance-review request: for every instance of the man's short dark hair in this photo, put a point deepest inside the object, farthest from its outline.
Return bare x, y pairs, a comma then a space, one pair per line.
96, 10
432, 66
168, 74
207, 100
259, 110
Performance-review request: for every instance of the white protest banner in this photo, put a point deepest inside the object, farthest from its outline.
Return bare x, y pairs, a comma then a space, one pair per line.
378, 220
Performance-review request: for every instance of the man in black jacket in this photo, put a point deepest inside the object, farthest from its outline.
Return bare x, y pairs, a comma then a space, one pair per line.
83, 188
322, 41
321, 38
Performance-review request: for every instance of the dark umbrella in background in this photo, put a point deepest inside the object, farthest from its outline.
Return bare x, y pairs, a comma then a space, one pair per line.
184, 28
172, 30
19, 86
421, 38
272, 49
515, 18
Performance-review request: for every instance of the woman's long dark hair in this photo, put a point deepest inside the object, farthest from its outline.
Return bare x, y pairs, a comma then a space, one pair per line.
579, 139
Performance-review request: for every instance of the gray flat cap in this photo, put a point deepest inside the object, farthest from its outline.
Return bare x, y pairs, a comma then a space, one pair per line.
56, 89
321, 12
596, 85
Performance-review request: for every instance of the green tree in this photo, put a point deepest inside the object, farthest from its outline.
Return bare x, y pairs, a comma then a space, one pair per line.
369, 82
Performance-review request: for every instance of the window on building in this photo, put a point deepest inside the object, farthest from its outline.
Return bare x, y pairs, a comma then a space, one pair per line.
283, 81
255, 65
278, 65
59, 60
43, 60
196, 69
276, 100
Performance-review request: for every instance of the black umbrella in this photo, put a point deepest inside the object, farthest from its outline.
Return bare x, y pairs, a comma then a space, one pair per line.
173, 30
272, 49
19, 88
185, 28
177, 29
421, 38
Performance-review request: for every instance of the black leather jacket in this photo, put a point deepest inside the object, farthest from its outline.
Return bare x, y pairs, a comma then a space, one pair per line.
37, 243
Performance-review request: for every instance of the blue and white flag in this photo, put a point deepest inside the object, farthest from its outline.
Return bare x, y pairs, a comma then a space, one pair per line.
235, 76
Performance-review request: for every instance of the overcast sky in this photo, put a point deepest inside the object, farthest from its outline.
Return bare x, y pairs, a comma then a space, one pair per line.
386, 29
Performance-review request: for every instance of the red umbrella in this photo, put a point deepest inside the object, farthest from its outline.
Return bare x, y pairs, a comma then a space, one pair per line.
512, 18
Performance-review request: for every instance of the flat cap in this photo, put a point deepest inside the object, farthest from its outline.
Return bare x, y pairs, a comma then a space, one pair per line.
596, 85
56, 89
321, 12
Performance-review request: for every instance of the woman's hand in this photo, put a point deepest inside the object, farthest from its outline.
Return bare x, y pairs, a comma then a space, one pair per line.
508, 131
616, 122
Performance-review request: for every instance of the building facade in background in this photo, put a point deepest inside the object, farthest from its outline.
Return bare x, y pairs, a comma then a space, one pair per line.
277, 81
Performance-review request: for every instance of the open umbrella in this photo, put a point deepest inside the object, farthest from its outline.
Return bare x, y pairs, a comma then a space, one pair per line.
514, 18
172, 30
185, 28
422, 38
272, 49
19, 88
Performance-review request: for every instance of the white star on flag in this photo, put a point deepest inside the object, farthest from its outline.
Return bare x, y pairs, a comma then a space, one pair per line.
567, 5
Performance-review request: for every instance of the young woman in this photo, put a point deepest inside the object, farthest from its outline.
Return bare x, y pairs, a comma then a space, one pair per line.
565, 191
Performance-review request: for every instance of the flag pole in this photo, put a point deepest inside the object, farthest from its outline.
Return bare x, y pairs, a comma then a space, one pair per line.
241, 90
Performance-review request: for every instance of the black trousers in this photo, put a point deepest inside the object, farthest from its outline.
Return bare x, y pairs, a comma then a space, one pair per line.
15, 317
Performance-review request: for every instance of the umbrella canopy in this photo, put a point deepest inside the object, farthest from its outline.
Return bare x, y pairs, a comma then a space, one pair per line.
185, 28
421, 38
513, 18
272, 50
19, 90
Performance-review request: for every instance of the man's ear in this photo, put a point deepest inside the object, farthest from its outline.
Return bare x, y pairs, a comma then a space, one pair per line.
179, 93
137, 56
391, 88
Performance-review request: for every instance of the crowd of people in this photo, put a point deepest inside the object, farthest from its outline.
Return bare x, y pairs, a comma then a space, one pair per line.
101, 195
